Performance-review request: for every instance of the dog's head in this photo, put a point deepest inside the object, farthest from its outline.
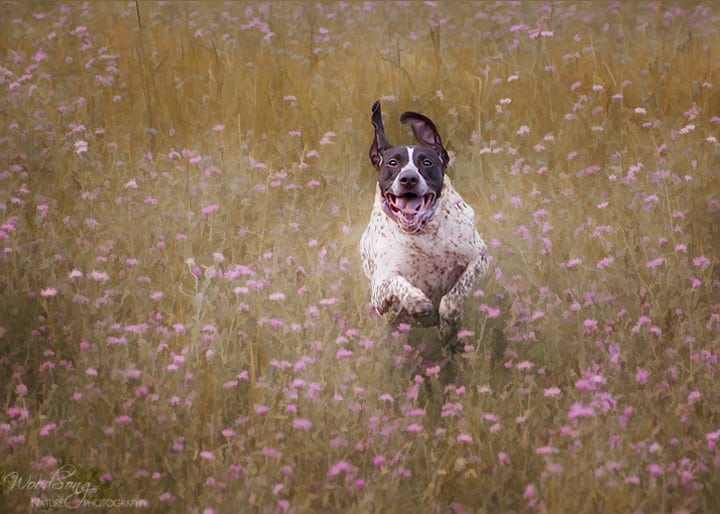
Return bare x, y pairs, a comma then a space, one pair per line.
410, 177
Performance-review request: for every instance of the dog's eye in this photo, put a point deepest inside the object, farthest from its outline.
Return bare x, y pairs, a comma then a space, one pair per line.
392, 162
427, 162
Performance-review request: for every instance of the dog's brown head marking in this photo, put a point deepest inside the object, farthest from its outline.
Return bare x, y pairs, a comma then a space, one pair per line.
410, 177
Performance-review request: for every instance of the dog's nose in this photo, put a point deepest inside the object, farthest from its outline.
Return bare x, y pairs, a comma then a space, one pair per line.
408, 178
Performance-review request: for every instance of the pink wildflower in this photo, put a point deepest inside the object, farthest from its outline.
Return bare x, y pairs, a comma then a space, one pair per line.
605, 262
656, 262
655, 469
98, 276
547, 450
271, 453
414, 428
578, 410
571, 263
302, 424
432, 371
81, 147
18, 412
343, 354
591, 325
702, 262
415, 413
341, 467
49, 292
47, 429
551, 392
489, 311
530, 491
210, 209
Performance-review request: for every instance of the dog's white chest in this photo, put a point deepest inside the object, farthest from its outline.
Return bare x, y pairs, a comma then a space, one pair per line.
433, 259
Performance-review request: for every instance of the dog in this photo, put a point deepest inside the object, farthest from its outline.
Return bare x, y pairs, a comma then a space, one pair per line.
420, 250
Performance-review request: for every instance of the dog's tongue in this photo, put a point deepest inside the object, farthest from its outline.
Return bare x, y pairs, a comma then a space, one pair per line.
409, 205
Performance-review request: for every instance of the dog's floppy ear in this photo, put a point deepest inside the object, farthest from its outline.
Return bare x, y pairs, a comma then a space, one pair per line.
426, 133
379, 144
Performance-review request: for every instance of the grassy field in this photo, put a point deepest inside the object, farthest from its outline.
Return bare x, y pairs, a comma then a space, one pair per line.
184, 323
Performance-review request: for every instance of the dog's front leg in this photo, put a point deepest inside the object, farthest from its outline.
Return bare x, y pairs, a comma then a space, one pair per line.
451, 304
386, 292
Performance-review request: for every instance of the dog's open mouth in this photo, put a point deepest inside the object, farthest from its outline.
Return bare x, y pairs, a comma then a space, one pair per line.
410, 211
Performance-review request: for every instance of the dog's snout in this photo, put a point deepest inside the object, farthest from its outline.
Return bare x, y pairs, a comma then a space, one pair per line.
408, 178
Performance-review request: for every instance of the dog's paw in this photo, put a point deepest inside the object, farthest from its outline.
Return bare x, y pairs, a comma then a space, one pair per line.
419, 306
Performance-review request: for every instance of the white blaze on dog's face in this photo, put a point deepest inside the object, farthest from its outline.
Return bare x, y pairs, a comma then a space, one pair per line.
410, 177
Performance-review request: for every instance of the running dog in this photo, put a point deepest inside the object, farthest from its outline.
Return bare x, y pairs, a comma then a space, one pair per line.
421, 250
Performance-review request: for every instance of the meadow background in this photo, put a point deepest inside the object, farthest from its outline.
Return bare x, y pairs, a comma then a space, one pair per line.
184, 324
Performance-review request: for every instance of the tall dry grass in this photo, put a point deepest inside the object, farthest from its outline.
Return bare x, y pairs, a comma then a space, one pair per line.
184, 325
